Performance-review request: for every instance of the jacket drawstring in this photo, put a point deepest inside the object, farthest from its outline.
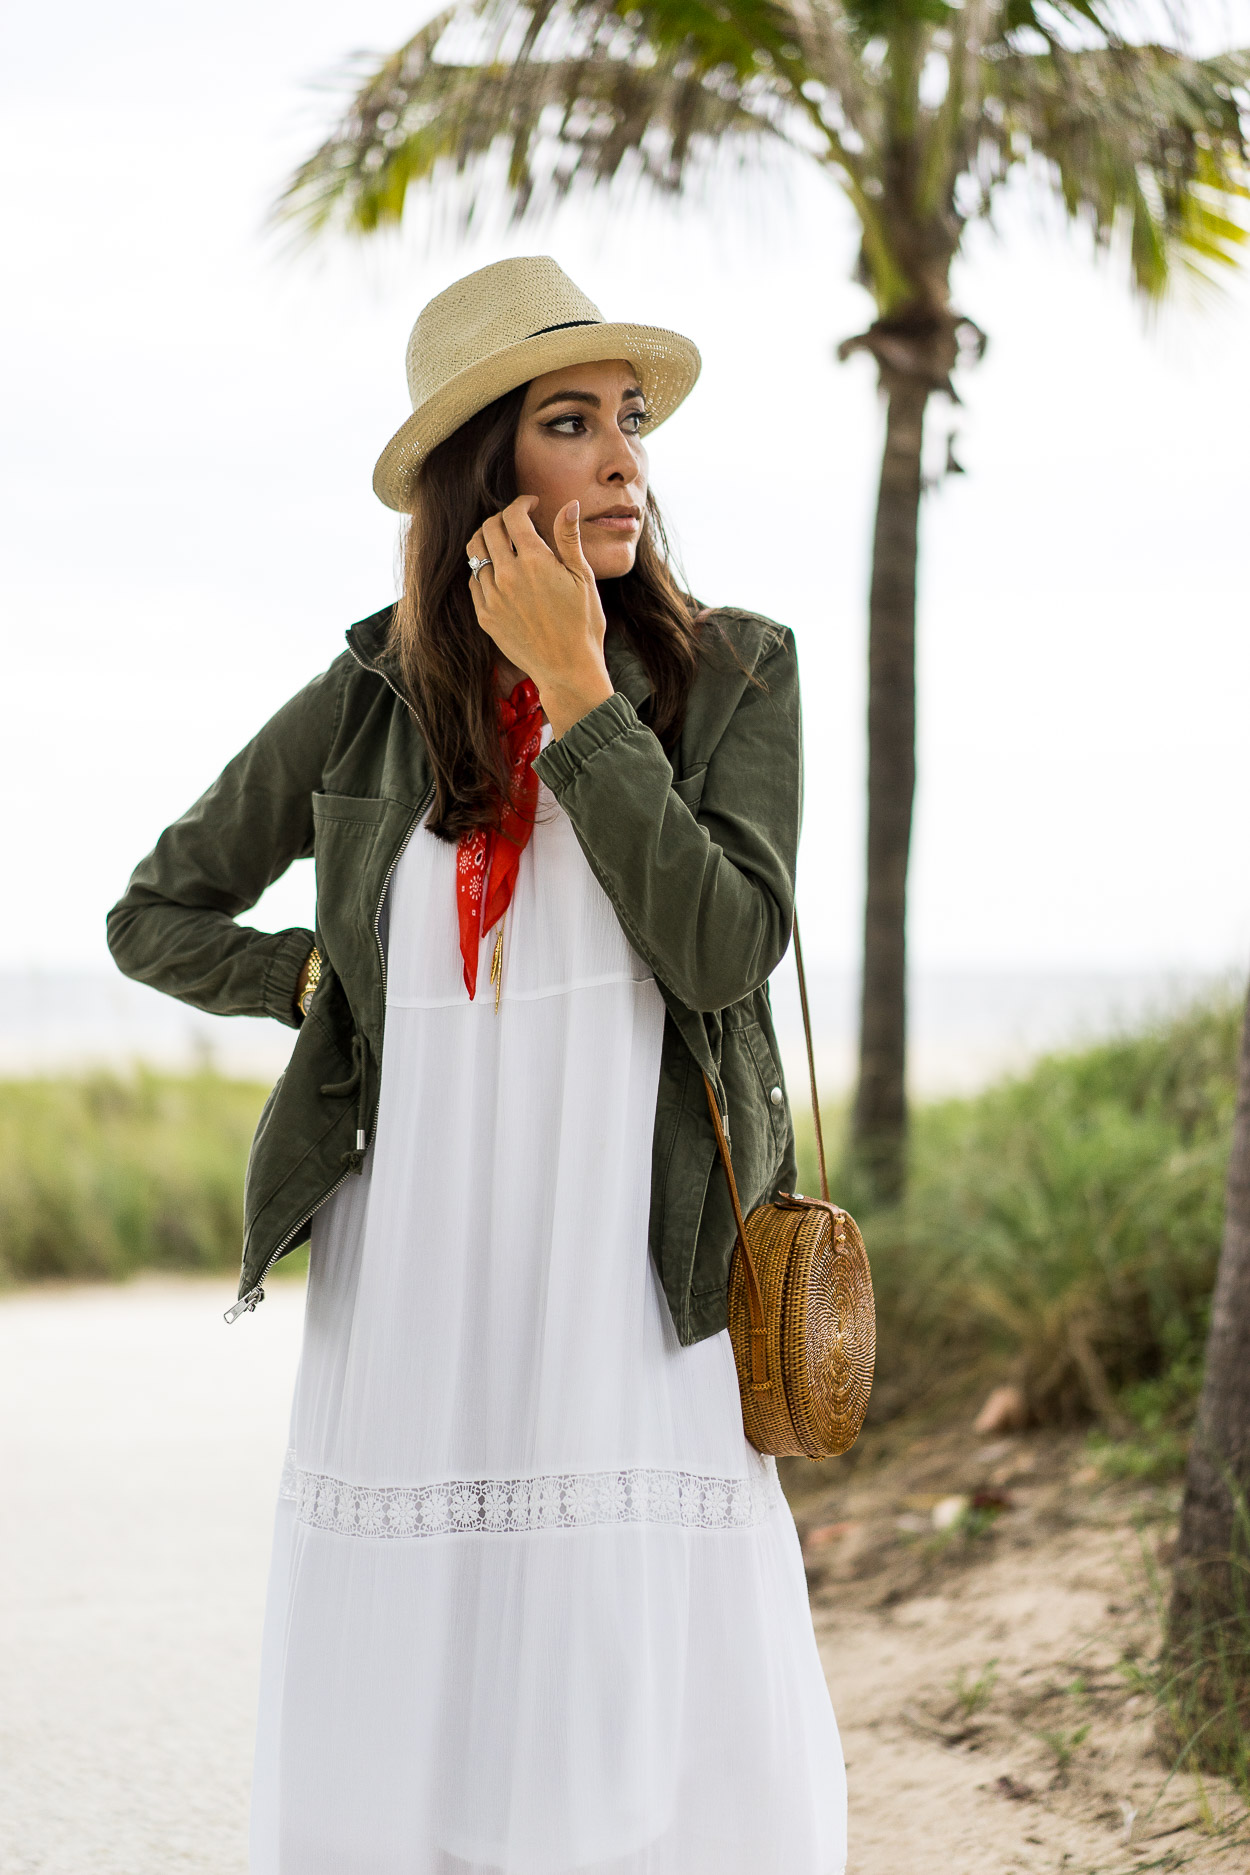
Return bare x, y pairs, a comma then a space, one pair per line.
356, 1083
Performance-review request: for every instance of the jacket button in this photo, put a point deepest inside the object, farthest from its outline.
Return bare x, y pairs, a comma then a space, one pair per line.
776, 1096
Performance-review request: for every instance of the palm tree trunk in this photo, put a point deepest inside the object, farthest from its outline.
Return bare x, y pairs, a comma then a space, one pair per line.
879, 1125
1210, 1609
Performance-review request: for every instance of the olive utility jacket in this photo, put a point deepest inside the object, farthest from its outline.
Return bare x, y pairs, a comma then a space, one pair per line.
697, 855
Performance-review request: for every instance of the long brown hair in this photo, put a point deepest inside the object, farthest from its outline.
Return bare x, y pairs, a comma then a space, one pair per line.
448, 661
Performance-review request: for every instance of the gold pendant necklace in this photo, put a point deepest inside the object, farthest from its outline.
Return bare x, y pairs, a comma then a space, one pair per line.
496, 963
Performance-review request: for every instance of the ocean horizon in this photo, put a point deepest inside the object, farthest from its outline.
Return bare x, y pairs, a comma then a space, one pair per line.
966, 1027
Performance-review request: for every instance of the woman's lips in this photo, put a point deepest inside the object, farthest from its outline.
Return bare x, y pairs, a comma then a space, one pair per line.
615, 523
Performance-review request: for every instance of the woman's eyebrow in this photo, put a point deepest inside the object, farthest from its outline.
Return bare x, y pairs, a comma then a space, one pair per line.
584, 397
570, 397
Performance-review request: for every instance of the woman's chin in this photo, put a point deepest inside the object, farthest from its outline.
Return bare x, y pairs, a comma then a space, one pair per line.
611, 560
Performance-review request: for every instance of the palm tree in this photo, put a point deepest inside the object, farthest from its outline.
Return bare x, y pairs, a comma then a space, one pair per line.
1209, 1618
919, 110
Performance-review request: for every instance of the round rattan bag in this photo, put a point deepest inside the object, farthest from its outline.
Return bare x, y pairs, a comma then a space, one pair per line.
801, 1314
819, 1324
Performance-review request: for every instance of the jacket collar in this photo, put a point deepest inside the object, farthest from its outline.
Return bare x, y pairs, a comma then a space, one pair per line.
626, 668
367, 642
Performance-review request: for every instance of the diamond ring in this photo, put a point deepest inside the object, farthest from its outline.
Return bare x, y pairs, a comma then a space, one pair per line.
476, 565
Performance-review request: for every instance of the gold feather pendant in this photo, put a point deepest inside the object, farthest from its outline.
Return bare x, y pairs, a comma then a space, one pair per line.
496, 964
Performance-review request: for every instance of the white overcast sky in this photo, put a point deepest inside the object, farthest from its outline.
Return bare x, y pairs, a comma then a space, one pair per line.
191, 419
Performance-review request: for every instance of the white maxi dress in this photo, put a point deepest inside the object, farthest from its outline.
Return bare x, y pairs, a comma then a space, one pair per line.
536, 1607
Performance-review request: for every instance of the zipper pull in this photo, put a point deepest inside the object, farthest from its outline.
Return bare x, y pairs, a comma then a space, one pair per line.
246, 1305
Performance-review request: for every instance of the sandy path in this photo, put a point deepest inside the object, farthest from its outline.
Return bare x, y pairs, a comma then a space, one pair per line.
986, 1684
140, 1444
935, 1791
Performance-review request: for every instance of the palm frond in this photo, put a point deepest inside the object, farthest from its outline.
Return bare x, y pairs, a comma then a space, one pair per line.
647, 92
1139, 134
565, 91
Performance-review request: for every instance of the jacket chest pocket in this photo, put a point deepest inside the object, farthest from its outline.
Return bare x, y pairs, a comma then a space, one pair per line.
350, 850
689, 787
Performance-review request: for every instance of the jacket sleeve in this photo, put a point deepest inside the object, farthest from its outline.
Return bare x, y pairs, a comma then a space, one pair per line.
175, 927
708, 903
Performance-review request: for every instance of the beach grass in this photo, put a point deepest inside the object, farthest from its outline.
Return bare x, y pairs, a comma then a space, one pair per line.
105, 1174
1061, 1231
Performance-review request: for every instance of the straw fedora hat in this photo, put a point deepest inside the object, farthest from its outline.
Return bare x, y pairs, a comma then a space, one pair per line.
500, 327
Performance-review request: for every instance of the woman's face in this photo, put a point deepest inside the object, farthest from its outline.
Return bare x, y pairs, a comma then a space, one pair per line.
578, 440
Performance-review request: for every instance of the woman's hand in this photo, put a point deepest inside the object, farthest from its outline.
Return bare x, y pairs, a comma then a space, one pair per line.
542, 608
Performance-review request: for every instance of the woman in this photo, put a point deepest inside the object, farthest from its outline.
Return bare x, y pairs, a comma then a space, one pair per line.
536, 1605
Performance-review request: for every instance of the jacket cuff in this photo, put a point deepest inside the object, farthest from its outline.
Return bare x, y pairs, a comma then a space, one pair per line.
290, 953
562, 760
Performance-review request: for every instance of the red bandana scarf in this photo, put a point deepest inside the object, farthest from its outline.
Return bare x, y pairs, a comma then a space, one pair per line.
487, 861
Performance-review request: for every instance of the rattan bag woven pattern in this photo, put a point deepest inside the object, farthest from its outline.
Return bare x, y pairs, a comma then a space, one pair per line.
821, 1329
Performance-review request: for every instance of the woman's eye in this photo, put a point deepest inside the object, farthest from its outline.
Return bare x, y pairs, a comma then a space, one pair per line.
574, 424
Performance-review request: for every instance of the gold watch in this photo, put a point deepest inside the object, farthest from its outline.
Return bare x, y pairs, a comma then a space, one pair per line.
313, 966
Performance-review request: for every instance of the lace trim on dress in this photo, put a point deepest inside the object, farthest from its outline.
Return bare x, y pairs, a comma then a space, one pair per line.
562, 1501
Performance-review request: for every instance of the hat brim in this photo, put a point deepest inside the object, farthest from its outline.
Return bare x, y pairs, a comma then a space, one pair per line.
667, 365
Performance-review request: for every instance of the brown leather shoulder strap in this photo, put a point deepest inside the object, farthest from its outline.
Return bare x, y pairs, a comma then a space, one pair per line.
755, 1300
811, 1061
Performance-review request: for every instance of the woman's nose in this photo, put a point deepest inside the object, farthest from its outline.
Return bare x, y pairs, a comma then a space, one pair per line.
619, 463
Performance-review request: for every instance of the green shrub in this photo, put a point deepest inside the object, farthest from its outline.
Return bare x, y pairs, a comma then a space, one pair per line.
1065, 1227
107, 1174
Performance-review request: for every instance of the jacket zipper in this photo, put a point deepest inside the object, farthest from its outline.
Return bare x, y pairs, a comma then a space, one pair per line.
247, 1305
